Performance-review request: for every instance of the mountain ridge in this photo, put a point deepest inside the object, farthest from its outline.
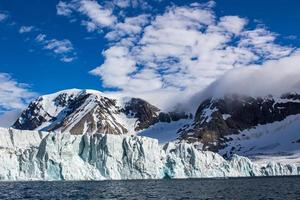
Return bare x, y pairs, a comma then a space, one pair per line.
89, 111
217, 118
217, 125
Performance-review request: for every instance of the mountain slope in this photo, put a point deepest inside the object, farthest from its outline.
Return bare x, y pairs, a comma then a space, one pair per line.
89, 111
233, 124
218, 118
277, 139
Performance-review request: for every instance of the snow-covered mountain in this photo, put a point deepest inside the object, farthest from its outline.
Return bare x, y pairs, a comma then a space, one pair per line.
92, 137
233, 124
89, 111
247, 126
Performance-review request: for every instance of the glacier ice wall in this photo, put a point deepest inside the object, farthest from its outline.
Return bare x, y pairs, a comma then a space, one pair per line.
33, 155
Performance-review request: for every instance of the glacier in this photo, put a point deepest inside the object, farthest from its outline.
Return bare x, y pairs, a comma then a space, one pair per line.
36, 155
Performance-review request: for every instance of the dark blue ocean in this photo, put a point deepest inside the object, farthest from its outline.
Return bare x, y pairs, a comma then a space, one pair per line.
234, 188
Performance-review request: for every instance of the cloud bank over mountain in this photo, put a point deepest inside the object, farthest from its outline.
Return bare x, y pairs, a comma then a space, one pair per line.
273, 77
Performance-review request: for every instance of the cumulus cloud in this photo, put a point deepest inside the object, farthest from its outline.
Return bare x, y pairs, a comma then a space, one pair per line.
116, 67
233, 24
129, 3
96, 13
179, 52
26, 29
97, 16
262, 43
129, 28
13, 95
182, 51
64, 9
62, 48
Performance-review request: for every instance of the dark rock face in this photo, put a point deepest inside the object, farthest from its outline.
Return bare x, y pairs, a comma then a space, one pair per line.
216, 118
35, 114
148, 114
173, 116
145, 113
33, 117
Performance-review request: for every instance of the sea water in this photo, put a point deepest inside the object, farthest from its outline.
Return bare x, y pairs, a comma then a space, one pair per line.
231, 188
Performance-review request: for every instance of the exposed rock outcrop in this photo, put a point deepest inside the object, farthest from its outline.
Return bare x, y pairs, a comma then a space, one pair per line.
147, 114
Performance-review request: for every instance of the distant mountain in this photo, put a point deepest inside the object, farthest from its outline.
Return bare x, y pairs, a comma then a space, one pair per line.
245, 125
233, 124
89, 111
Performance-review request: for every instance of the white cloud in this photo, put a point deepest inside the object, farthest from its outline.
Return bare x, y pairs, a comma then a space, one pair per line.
3, 16
40, 37
121, 3
176, 53
25, 29
97, 16
62, 48
64, 9
13, 95
274, 77
130, 3
181, 51
67, 59
262, 42
233, 24
117, 67
59, 46
130, 27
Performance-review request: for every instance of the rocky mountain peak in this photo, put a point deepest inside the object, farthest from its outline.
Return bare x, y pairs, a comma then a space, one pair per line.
89, 111
216, 118
145, 113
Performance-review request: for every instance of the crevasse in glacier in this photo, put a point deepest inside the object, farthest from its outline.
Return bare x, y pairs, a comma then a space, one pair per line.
33, 155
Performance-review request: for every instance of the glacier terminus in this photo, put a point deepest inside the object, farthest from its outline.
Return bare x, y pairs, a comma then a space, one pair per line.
36, 155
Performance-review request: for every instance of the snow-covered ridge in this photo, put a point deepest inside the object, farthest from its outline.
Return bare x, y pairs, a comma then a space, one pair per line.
90, 111
76, 111
33, 155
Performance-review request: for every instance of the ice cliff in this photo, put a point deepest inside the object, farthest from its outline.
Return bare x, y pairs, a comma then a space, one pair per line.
33, 155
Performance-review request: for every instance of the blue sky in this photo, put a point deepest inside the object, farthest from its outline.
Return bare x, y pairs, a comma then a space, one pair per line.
55, 45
